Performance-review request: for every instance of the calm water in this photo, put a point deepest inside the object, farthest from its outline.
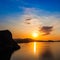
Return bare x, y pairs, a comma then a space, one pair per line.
35, 51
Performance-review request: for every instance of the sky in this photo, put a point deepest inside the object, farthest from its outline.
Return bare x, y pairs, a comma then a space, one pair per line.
24, 17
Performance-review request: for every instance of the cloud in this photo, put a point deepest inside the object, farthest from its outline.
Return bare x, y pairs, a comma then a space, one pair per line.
46, 30
27, 20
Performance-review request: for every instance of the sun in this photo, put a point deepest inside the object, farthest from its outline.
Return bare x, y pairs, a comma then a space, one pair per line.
35, 34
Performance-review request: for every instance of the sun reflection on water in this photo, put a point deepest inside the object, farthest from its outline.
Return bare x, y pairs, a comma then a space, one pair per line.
34, 47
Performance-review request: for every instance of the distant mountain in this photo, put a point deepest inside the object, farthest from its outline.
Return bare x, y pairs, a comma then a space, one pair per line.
27, 40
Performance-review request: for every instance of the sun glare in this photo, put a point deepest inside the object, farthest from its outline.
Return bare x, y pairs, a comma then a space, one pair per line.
34, 34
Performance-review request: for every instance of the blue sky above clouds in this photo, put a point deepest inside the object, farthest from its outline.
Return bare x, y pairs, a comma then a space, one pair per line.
15, 6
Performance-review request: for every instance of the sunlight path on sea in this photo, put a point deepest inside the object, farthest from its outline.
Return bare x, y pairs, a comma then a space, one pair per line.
34, 47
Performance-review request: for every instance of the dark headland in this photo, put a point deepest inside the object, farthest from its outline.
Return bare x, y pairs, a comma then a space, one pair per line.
7, 45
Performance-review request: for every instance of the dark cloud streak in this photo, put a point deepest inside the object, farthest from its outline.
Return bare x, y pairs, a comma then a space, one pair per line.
27, 20
46, 30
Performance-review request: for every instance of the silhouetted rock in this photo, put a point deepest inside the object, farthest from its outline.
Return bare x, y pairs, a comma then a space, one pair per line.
7, 45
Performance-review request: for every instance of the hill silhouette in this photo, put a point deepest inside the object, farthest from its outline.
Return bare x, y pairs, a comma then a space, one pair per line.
27, 40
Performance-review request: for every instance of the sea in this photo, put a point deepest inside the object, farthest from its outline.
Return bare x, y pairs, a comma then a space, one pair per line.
37, 51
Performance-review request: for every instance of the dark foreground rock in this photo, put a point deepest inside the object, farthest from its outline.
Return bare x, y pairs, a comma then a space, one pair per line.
7, 45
